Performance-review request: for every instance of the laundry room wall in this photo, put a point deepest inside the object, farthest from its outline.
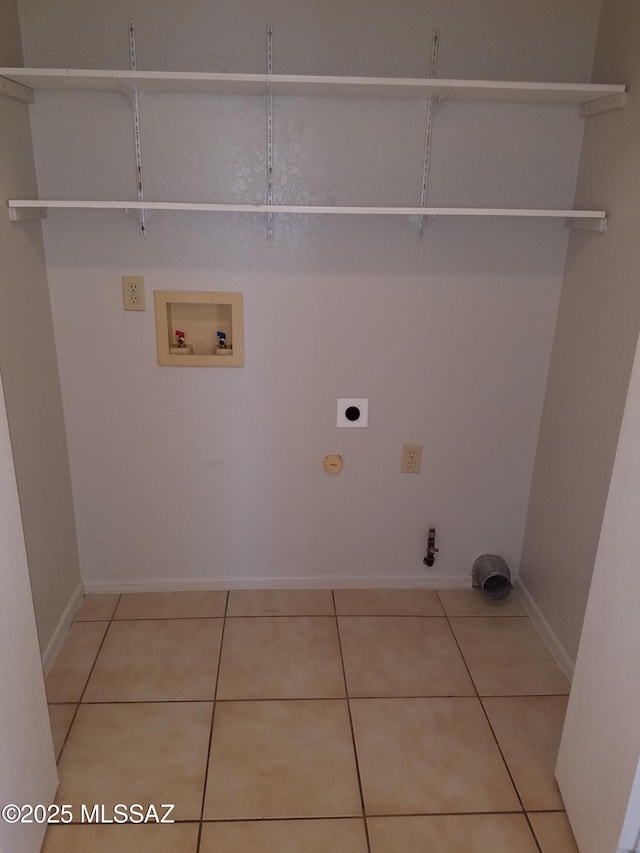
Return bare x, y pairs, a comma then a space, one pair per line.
29, 369
187, 477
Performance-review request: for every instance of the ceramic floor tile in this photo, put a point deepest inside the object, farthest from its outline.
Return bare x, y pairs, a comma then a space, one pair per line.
471, 602
60, 717
492, 833
553, 832
171, 605
507, 657
281, 658
285, 836
97, 607
282, 759
528, 729
148, 838
387, 602
137, 753
280, 602
71, 669
421, 756
157, 660
402, 656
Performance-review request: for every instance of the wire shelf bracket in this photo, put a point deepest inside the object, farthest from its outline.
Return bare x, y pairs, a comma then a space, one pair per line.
134, 97
269, 131
427, 140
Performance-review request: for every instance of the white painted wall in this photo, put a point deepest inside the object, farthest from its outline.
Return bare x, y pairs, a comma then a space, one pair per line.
630, 835
27, 763
29, 369
600, 744
593, 350
215, 475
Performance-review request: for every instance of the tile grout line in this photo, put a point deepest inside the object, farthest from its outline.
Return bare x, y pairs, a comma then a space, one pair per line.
310, 616
213, 715
339, 817
484, 711
438, 616
353, 734
307, 818
78, 703
95, 660
312, 698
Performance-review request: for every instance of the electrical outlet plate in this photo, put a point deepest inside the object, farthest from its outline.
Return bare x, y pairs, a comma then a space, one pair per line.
133, 292
411, 458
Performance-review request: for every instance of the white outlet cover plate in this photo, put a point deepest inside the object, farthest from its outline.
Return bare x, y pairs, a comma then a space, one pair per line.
360, 403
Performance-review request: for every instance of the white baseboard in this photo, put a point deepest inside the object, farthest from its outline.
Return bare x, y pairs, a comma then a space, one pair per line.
546, 631
55, 643
185, 584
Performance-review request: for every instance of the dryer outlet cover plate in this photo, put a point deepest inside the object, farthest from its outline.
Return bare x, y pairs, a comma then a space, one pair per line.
353, 412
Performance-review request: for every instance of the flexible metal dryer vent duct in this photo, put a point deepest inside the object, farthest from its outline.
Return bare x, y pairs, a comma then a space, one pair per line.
491, 574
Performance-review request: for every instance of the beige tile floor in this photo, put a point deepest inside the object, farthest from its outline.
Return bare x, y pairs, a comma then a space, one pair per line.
306, 721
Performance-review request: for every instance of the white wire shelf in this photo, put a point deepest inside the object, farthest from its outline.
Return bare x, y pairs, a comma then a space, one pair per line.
296, 84
32, 208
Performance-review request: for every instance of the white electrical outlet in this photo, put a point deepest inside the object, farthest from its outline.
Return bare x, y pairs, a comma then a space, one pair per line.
411, 458
133, 292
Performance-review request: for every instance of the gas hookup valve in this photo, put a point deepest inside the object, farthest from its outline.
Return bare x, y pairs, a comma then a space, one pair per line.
430, 559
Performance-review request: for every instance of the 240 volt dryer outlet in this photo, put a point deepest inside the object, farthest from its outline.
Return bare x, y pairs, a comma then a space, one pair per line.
353, 412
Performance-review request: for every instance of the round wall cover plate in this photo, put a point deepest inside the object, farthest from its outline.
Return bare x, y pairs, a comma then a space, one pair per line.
333, 463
